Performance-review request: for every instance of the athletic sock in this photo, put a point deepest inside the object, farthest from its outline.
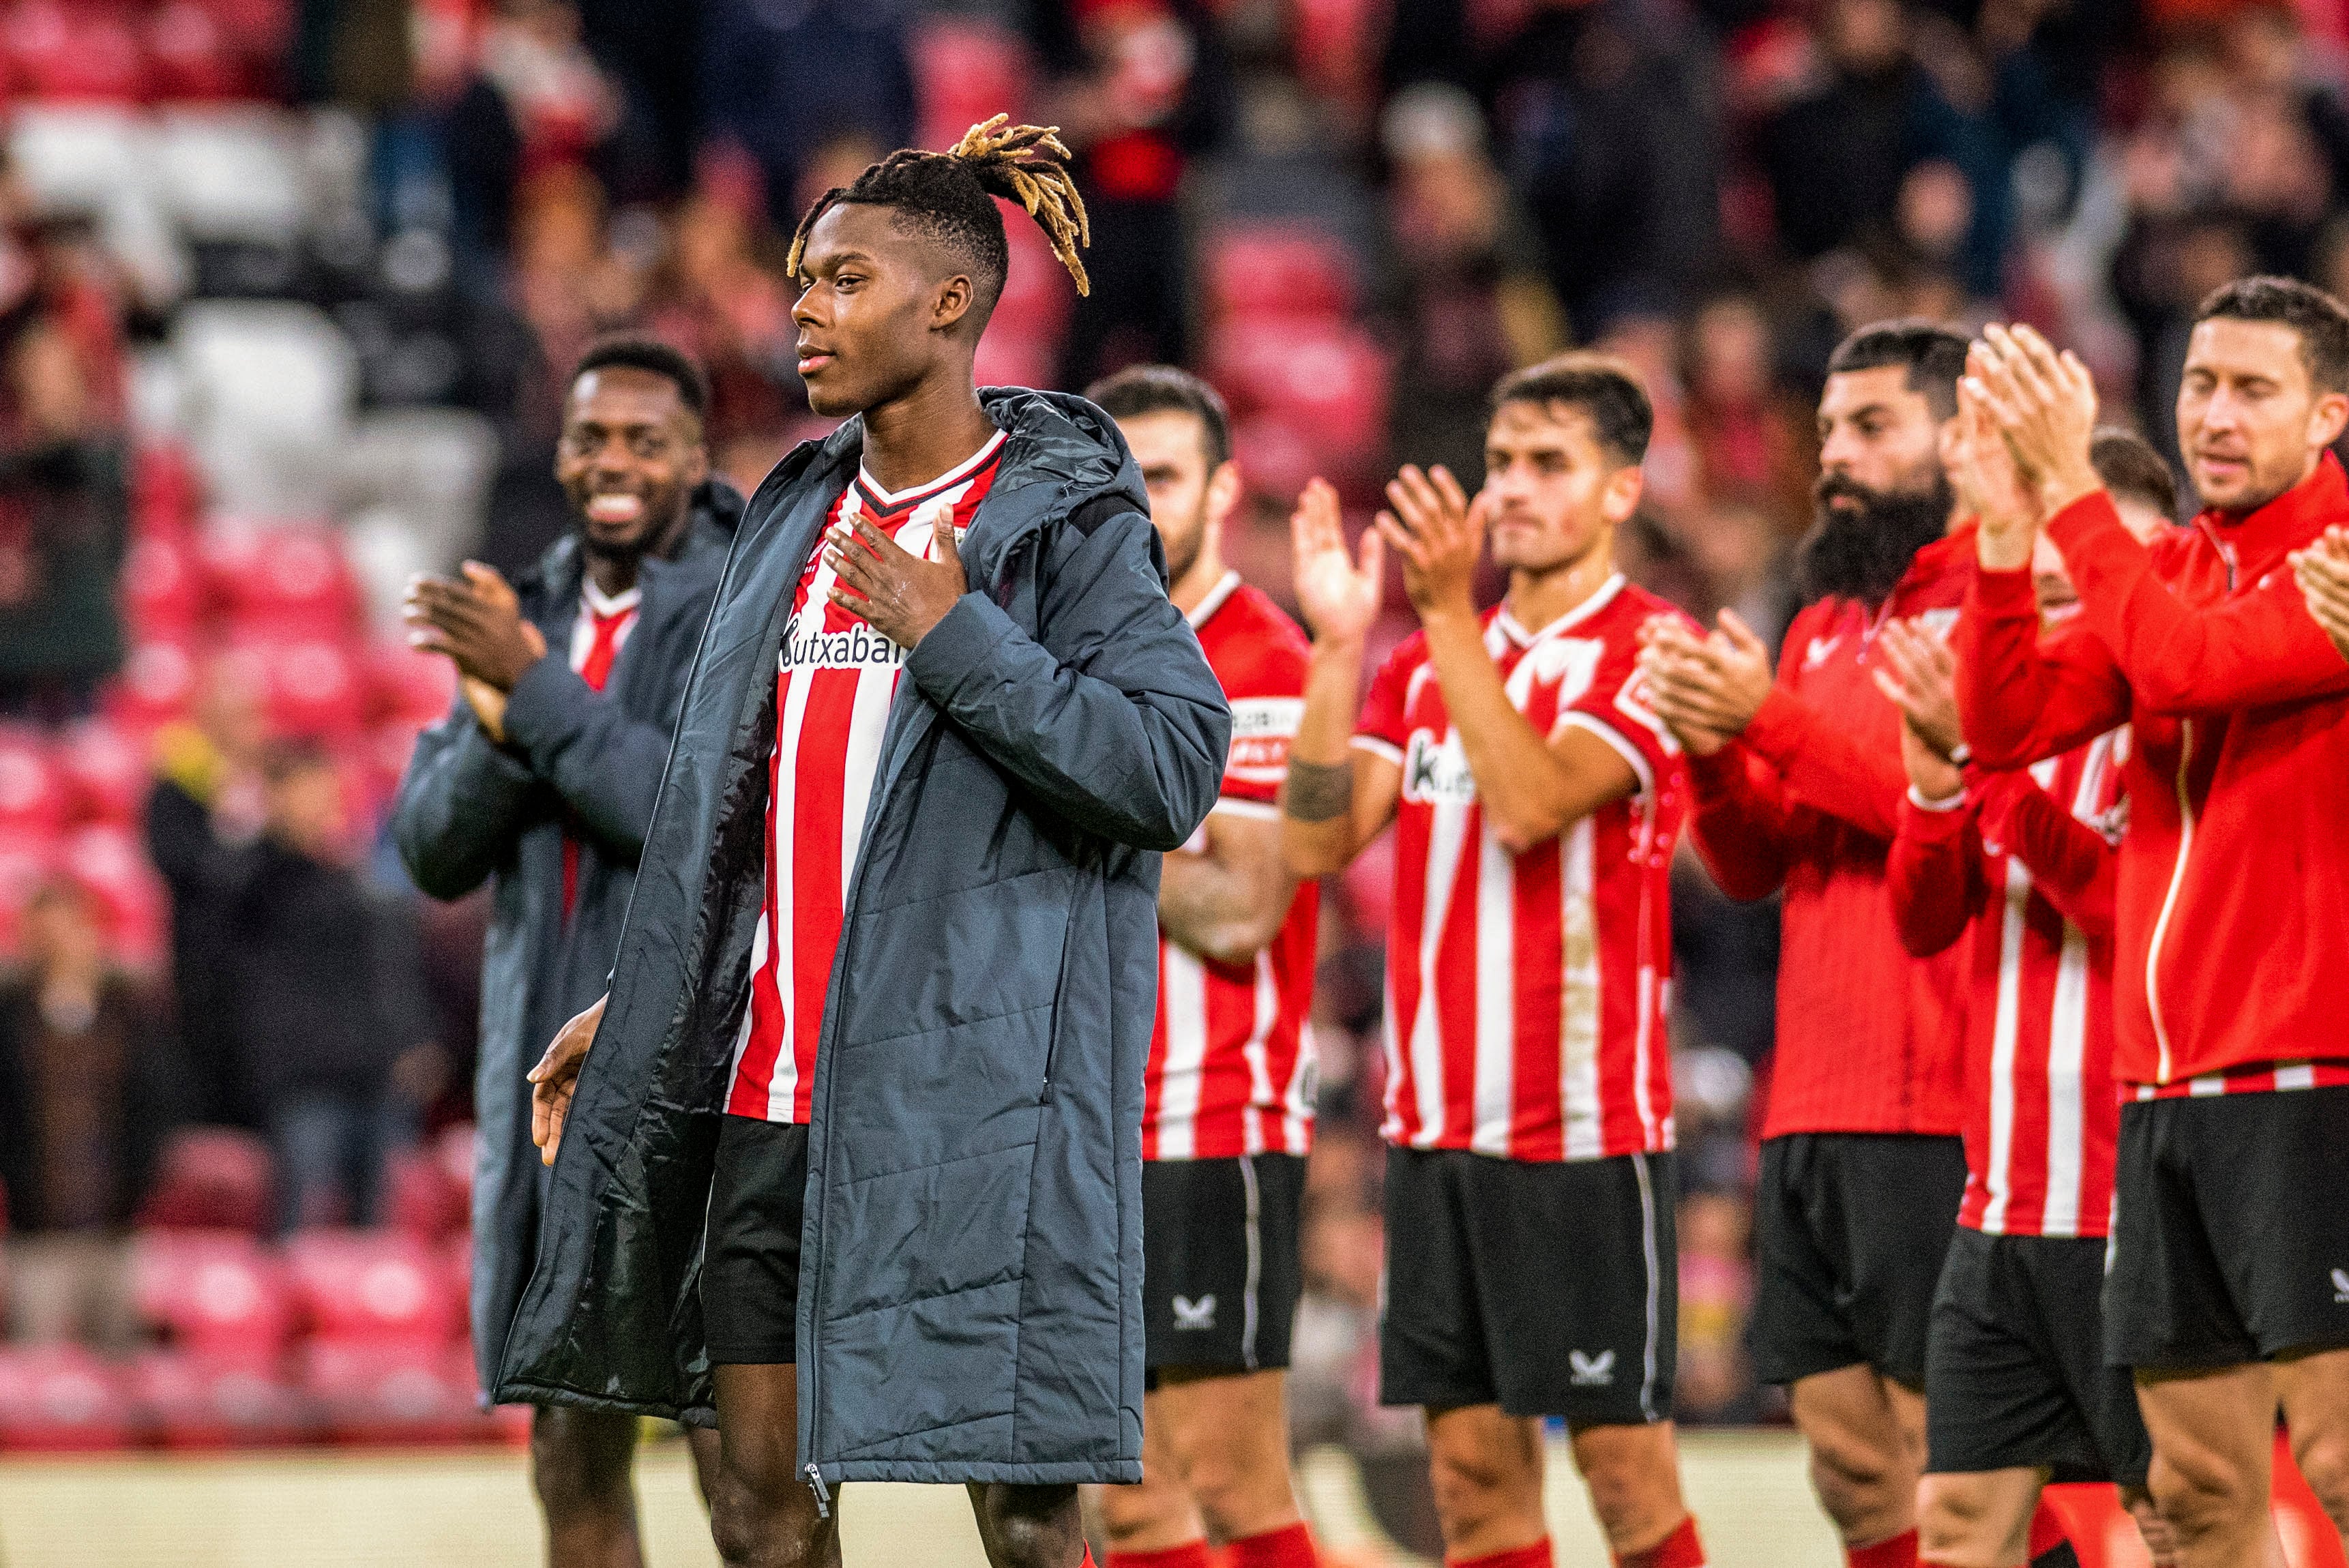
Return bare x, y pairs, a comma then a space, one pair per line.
2051, 1547
1681, 1549
1190, 1554
1289, 1547
1900, 1552
1535, 1556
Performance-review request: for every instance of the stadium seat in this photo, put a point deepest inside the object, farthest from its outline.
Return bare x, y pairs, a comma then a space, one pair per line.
77, 157
282, 582
62, 53
408, 686
190, 1400
1278, 270
25, 862
370, 1286
209, 1178
34, 801
1330, 378
270, 387
105, 770
387, 1391
162, 586
166, 495
158, 683
190, 56
964, 71
109, 861
231, 173
218, 1294
1038, 293
1011, 359
422, 1200
60, 1398
312, 686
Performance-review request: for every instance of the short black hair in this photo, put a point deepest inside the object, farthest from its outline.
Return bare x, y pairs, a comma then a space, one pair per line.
1603, 386
634, 352
1933, 355
2130, 467
1140, 389
2319, 319
949, 197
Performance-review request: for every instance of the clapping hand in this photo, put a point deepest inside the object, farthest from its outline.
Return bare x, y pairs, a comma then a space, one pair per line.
1338, 595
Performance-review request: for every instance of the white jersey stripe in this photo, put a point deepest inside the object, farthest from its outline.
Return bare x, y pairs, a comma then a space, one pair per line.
1496, 1010
1184, 1002
2067, 1053
1445, 835
1585, 1129
2004, 1045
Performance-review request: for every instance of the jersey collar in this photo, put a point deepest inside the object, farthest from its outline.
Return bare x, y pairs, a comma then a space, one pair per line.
1205, 610
888, 501
1510, 628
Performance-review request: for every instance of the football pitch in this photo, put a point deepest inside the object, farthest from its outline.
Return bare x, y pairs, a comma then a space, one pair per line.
472, 1509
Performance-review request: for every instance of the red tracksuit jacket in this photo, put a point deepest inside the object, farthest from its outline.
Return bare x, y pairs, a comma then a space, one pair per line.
1808, 799
2023, 862
2233, 900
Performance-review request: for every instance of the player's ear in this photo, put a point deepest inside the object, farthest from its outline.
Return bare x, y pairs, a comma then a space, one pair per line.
1621, 497
1223, 490
2326, 420
952, 301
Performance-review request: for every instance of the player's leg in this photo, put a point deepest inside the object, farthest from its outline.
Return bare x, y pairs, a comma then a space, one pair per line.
1977, 1519
2213, 1444
1028, 1526
1222, 1439
1486, 1467
701, 1443
1865, 1436
581, 1463
1633, 1475
761, 1515
1153, 1523
2315, 1391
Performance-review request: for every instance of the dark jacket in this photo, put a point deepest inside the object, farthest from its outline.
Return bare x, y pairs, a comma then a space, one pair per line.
469, 810
969, 1303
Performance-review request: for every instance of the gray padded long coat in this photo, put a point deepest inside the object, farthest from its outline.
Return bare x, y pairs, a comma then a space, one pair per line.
469, 810
969, 1306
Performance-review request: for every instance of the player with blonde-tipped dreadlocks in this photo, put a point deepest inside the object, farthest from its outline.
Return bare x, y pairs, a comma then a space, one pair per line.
879, 1018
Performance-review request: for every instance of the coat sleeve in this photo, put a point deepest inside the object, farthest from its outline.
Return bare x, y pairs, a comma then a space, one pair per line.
2258, 647
1934, 872
606, 765
1821, 767
2021, 697
461, 804
1741, 826
1113, 718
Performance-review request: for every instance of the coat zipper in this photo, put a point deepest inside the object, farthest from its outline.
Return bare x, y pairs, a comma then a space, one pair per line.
2169, 901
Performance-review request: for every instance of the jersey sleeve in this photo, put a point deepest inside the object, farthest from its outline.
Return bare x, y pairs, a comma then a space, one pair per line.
1614, 708
1268, 701
1381, 728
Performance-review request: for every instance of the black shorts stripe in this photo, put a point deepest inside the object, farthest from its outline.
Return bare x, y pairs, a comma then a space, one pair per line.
1221, 1272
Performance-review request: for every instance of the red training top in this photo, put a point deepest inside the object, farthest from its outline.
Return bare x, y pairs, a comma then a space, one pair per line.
2023, 862
1808, 799
2234, 873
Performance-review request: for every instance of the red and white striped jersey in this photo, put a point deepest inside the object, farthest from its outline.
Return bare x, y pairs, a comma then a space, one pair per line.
2266, 1078
1231, 1059
2042, 1119
832, 688
1527, 993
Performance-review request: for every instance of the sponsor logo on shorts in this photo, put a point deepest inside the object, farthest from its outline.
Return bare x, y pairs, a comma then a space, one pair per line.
2340, 1287
1591, 1371
1199, 1314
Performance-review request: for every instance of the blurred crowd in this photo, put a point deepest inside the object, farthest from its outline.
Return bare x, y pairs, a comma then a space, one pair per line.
287, 287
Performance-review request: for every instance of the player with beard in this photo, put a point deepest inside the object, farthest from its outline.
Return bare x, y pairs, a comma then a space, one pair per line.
541, 783
850, 1157
2228, 1286
1798, 785
1535, 800
1228, 1101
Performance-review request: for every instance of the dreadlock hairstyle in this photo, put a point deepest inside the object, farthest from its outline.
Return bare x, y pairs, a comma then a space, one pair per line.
948, 197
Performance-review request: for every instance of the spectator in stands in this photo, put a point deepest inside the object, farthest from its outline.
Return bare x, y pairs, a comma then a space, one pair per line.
779, 82
1140, 88
205, 808
64, 524
85, 1091
328, 1014
541, 783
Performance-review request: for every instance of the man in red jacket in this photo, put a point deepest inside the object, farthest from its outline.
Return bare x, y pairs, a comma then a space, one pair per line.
2229, 1285
1799, 786
2024, 860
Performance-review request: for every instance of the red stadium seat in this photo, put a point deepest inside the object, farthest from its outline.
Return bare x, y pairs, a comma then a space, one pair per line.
158, 683
1329, 379
1012, 359
371, 1286
422, 1202
25, 862
376, 1391
217, 1294
166, 496
288, 582
405, 685
1038, 293
60, 1398
110, 863
209, 1178
162, 586
187, 1399
313, 684
75, 52
964, 71
105, 770
34, 801
1274, 271
192, 57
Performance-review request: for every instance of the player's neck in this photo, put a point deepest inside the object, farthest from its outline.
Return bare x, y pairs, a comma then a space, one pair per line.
1207, 570
1538, 597
934, 428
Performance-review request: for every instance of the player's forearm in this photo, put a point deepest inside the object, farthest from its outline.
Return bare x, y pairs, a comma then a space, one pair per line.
1223, 907
1525, 794
1317, 829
